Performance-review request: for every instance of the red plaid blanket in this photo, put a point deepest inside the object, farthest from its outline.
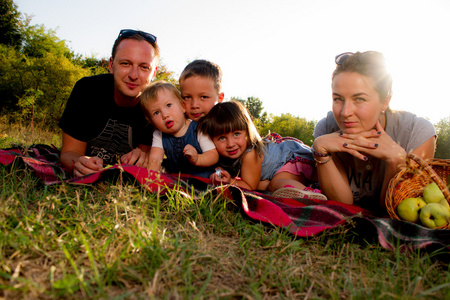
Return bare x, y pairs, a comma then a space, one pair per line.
301, 217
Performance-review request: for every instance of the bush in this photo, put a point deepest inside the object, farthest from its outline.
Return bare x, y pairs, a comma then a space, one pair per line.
443, 141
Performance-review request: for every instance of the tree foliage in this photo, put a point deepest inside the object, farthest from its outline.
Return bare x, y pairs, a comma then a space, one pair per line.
38, 70
10, 33
443, 141
254, 106
285, 125
38, 42
289, 125
49, 74
37, 74
95, 66
163, 73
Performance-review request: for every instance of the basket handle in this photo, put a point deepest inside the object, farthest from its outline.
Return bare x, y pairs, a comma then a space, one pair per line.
432, 173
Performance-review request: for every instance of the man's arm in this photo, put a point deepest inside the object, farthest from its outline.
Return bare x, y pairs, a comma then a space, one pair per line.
73, 157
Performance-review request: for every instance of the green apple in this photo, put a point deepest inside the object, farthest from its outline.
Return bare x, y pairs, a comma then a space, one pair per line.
409, 209
444, 202
434, 215
432, 193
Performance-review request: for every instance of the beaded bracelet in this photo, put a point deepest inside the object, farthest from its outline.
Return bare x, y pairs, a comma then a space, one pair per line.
318, 153
322, 162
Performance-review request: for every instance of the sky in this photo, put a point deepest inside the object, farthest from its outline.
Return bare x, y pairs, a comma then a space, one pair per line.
280, 51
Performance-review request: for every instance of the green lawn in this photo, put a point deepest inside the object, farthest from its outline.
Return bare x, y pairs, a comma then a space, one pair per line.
115, 240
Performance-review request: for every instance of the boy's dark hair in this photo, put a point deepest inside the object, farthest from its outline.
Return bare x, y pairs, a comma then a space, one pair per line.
203, 68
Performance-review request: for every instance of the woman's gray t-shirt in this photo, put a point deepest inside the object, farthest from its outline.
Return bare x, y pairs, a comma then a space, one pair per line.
366, 177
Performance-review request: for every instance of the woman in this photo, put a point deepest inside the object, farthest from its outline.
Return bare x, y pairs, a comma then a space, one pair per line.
362, 143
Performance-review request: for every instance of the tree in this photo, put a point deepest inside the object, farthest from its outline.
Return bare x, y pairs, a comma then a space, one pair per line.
285, 125
289, 125
53, 76
163, 73
28, 104
10, 80
40, 64
253, 105
10, 33
38, 41
443, 141
262, 121
95, 66
38, 73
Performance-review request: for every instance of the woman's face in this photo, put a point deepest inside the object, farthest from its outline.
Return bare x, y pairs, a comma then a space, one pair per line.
356, 104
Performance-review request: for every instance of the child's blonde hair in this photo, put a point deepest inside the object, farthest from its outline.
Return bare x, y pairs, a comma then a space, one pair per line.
150, 94
228, 117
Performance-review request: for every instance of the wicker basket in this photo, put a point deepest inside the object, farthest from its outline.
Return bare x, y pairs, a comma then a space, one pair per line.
411, 181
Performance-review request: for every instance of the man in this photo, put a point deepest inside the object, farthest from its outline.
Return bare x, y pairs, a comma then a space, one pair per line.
103, 123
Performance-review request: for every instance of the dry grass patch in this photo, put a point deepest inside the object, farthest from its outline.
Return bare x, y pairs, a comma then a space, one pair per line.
16, 134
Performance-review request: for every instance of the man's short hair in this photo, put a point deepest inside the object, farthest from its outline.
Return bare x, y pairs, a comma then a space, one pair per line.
139, 36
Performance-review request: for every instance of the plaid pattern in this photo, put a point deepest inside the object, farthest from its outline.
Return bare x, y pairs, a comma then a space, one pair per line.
301, 217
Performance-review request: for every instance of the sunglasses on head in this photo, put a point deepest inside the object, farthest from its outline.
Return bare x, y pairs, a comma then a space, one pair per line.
365, 57
130, 32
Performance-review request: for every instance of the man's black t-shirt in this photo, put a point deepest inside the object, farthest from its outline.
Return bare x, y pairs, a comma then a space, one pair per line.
91, 115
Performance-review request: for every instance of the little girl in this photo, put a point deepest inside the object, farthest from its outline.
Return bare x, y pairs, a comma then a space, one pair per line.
288, 163
175, 135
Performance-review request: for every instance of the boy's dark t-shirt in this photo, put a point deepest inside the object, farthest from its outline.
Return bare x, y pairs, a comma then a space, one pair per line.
91, 115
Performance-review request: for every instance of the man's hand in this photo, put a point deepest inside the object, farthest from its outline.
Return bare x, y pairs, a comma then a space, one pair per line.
136, 157
87, 165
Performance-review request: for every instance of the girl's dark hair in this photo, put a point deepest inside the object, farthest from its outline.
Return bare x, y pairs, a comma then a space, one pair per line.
230, 116
370, 64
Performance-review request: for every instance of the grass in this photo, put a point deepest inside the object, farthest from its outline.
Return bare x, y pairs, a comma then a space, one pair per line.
116, 240
15, 134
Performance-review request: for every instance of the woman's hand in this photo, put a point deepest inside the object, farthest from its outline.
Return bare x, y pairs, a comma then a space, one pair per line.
328, 144
376, 143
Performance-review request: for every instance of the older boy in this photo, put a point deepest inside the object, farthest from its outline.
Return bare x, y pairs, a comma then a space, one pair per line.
200, 84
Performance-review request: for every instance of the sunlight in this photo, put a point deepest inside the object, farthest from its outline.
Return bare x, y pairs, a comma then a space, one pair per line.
414, 84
